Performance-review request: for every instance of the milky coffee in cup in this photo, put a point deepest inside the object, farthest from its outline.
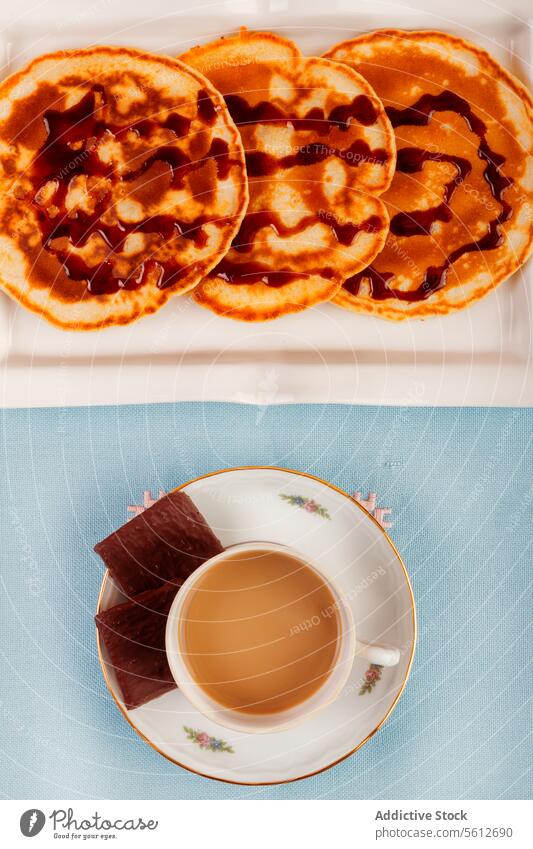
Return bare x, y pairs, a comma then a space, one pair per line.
259, 631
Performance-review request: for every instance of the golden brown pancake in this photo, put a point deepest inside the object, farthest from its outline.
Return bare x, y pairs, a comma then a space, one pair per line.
122, 182
460, 201
319, 150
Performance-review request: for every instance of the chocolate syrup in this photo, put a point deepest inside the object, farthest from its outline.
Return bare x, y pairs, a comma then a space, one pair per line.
71, 149
180, 164
80, 229
144, 127
255, 221
262, 164
205, 107
361, 109
378, 283
219, 151
255, 272
420, 221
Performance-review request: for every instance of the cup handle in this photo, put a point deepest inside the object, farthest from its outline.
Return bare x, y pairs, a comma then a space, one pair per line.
380, 655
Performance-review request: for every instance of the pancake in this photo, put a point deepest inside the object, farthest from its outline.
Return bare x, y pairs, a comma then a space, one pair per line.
460, 201
319, 152
122, 182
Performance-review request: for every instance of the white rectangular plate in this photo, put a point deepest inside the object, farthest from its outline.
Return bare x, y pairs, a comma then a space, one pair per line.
482, 356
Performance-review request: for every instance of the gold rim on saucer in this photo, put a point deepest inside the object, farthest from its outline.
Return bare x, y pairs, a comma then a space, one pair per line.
368, 737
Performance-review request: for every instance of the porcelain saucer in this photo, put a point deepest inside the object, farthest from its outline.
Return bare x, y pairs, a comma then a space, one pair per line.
328, 526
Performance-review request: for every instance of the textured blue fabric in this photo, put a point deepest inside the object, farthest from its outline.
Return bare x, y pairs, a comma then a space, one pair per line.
459, 483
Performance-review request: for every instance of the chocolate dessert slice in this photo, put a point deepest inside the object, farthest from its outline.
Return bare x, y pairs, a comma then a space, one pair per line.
164, 543
134, 636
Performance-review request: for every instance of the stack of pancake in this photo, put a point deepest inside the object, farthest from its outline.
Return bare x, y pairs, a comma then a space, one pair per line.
392, 176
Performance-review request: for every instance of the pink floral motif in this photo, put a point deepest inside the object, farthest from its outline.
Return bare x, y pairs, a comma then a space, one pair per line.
213, 744
308, 504
371, 678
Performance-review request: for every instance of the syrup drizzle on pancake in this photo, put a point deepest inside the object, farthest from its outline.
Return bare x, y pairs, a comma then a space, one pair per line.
255, 221
57, 162
360, 109
421, 221
319, 152
262, 164
254, 272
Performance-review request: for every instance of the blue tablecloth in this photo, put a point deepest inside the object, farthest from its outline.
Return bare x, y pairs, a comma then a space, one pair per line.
459, 484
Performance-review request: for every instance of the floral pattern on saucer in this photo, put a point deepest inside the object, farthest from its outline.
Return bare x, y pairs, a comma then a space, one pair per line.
306, 504
214, 744
371, 678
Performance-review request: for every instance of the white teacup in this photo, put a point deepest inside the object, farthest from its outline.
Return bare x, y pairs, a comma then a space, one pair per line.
348, 647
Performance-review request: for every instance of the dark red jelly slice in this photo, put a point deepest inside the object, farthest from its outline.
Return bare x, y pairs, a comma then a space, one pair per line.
164, 543
134, 636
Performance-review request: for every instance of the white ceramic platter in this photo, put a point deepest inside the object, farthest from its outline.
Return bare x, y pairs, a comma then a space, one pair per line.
331, 529
482, 356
